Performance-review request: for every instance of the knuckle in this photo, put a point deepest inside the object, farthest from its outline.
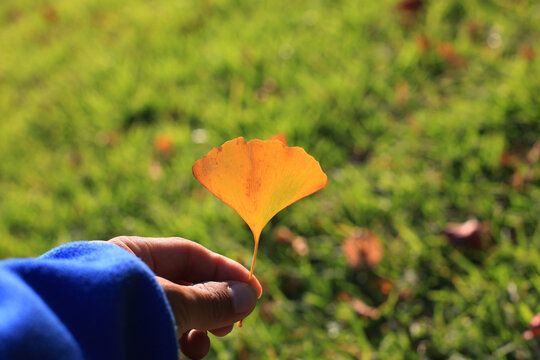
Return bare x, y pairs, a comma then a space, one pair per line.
122, 238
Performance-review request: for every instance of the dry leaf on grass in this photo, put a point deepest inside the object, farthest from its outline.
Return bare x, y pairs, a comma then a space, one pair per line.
362, 249
470, 234
283, 235
359, 307
534, 328
450, 55
163, 145
411, 6
364, 310
300, 245
527, 52
383, 285
409, 11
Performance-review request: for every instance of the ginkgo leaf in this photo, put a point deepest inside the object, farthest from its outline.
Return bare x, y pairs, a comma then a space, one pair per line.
259, 178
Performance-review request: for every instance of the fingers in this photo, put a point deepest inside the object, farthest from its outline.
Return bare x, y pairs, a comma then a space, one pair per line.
222, 331
220, 297
210, 305
178, 259
195, 344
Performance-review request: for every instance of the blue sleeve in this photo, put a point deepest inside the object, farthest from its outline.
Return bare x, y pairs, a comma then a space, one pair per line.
84, 300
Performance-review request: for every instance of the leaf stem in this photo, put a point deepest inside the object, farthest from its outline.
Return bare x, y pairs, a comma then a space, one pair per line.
256, 238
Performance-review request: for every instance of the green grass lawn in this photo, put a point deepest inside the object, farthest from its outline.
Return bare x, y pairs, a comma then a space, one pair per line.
419, 118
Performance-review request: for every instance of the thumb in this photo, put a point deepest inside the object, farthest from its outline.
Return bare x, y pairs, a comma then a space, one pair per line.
210, 305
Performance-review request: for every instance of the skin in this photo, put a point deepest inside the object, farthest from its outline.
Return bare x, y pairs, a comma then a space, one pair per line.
196, 282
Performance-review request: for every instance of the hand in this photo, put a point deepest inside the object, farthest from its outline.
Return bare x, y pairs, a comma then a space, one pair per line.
206, 291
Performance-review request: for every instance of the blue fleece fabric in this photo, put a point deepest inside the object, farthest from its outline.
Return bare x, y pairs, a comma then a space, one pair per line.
84, 300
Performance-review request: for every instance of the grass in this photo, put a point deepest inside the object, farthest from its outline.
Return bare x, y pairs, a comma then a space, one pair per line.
411, 114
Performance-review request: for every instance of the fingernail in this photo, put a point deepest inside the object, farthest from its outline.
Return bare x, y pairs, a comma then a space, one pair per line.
243, 297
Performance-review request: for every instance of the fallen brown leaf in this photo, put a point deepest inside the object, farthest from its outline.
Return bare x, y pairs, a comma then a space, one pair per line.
409, 11
527, 52
364, 310
517, 180
344, 296
410, 6
405, 294
384, 286
448, 52
300, 245
163, 145
474, 30
362, 248
49, 13
470, 234
507, 159
534, 328
283, 235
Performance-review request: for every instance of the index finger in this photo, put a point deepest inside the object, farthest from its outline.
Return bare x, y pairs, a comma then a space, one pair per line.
180, 260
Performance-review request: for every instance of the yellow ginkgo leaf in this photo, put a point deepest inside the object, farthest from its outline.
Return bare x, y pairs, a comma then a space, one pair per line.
259, 178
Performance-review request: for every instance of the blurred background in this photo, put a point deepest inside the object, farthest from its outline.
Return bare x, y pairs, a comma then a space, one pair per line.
424, 114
